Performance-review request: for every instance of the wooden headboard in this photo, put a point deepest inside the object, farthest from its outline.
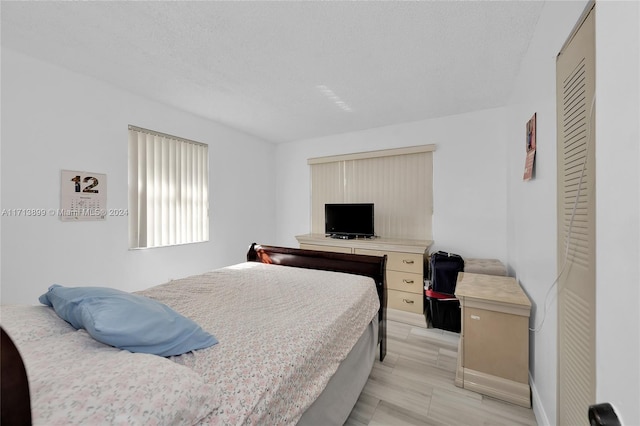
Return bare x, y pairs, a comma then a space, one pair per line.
370, 266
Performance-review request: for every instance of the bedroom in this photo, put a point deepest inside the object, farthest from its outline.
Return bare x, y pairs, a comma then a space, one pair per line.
57, 118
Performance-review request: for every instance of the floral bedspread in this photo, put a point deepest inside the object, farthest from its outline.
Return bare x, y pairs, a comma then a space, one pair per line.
76, 380
282, 333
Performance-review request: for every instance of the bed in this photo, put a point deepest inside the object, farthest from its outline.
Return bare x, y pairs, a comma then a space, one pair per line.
297, 333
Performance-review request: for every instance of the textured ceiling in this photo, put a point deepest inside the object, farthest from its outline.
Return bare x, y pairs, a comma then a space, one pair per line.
286, 71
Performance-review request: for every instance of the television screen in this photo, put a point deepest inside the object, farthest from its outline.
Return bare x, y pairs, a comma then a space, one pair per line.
349, 220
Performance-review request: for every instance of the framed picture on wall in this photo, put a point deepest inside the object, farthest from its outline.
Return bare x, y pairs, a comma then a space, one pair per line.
530, 147
83, 196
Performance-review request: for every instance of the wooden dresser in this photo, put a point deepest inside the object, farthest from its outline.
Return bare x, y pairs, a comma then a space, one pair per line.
405, 264
493, 353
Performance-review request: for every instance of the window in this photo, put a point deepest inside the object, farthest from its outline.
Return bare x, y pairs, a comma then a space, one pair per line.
398, 181
168, 190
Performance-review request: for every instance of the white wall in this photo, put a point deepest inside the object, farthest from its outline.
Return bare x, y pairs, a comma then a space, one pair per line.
55, 119
617, 207
532, 205
469, 178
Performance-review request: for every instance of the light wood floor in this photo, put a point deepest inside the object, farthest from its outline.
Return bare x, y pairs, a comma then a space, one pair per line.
415, 386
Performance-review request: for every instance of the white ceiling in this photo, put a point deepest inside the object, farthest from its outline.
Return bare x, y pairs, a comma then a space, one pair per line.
287, 71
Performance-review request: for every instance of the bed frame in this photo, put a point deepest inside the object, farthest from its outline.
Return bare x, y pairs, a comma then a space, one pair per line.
370, 266
15, 408
15, 402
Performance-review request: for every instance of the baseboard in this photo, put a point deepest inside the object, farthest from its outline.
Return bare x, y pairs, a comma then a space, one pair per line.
538, 409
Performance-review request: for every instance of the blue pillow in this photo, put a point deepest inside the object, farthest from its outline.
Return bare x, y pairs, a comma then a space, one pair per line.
127, 321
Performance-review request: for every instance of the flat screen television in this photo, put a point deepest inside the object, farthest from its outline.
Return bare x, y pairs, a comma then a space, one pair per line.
349, 220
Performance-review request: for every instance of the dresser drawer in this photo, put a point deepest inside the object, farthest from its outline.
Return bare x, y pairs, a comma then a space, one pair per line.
335, 249
405, 281
404, 301
371, 252
406, 262
398, 261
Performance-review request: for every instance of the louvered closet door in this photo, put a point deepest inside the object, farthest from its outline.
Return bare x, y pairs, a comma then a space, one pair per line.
575, 87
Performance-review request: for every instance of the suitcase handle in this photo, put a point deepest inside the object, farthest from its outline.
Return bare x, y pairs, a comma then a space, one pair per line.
407, 281
408, 262
408, 301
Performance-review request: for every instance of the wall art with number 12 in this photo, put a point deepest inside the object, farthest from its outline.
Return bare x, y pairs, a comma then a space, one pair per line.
83, 196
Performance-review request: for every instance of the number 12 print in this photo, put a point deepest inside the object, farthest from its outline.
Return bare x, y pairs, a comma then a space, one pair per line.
83, 196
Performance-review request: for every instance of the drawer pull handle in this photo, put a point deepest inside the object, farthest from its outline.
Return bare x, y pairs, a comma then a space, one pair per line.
408, 262
408, 301
407, 281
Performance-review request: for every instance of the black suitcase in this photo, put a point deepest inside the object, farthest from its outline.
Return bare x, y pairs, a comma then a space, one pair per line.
444, 271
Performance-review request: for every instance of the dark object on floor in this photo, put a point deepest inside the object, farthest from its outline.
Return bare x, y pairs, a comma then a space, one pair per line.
603, 415
442, 311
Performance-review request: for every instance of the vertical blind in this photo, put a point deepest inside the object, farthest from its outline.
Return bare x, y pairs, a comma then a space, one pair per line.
398, 181
168, 190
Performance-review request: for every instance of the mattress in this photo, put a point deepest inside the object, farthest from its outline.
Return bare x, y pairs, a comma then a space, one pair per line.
282, 332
